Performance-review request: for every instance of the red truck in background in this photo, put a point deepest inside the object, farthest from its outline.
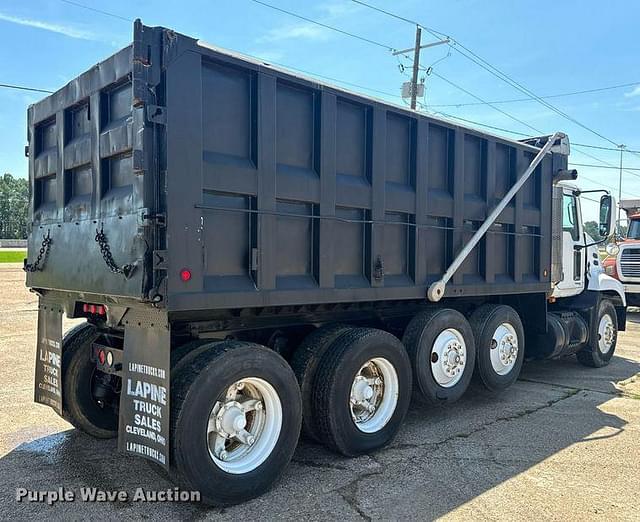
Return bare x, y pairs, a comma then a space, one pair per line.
623, 262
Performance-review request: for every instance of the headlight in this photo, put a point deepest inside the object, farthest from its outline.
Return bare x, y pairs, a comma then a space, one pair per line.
612, 249
610, 270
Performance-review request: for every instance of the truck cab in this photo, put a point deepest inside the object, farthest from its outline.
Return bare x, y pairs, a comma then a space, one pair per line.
581, 266
623, 261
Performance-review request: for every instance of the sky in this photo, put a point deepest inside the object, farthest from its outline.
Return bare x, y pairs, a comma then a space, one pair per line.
551, 49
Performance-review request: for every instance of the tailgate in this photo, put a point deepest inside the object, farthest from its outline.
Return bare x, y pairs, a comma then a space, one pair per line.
93, 178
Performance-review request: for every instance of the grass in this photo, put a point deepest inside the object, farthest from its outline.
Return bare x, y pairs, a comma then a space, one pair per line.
12, 256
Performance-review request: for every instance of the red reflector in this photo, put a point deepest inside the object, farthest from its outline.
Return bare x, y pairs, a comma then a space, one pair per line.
185, 274
100, 310
85, 308
92, 309
101, 356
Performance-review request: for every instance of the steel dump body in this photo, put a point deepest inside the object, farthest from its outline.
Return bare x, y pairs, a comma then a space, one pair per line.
270, 189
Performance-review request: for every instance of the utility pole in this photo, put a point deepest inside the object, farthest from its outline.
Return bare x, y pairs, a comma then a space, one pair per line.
621, 147
416, 65
413, 87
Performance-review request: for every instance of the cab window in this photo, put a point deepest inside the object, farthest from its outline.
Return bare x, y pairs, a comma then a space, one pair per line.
634, 230
570, 216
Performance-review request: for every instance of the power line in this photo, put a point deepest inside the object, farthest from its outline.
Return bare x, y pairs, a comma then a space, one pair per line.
481, 62
602, 166
488, 103
617, 149
23, 88
524, 123
379, 44
326, 26
388, 47
95, 10
510, 81
610, 165
561, 95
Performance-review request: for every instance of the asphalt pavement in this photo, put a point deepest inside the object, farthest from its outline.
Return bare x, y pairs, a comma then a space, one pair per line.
563, 443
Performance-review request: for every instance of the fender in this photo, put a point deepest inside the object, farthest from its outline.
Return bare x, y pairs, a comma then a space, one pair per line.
601, 282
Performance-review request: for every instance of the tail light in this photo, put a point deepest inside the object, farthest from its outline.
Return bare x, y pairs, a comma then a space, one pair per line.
94, 309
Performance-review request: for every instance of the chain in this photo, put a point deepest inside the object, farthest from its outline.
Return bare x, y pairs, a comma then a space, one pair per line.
101, 239
42, 255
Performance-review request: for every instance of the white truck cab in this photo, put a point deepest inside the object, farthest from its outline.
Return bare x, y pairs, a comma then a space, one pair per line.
581, 266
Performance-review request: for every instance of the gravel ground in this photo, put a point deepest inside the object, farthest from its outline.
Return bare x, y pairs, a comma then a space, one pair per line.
561, 444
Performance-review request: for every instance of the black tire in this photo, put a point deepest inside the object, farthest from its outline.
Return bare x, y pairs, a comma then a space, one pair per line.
419, 338
180, 356
484, 323
332, 389
592, 355
78, 374
196, 388
304, 364
185, 352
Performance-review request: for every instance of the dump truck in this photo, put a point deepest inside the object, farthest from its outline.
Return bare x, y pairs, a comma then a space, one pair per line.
623, 261
257, 254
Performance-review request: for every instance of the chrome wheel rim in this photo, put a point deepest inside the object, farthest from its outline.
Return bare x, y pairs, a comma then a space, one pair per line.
504, 349
606, 333
448, 357
244, 427
374, 395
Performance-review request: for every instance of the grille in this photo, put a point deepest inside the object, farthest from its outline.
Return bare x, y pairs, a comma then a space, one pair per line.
630, 262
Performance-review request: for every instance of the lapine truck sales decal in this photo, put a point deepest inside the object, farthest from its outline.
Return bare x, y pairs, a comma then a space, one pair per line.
144, 400
48, 381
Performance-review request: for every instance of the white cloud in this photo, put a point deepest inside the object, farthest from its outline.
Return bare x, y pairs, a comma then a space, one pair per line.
634, 92
65, 30
338, 9
290, 32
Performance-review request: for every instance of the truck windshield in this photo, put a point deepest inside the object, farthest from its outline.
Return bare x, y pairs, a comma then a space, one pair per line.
634, 229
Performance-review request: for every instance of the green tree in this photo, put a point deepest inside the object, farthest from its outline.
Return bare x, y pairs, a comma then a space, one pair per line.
14, 207
591, 228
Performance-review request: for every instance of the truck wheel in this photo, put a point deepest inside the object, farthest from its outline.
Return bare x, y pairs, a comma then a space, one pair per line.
362, 391
235, 421
442, 351
499, 337
602, 337
80, 378
304, 364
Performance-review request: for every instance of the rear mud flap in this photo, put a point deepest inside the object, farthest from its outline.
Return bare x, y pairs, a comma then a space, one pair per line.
48, 377
144, 400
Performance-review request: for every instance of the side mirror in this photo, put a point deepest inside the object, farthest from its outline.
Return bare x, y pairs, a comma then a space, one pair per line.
607, 222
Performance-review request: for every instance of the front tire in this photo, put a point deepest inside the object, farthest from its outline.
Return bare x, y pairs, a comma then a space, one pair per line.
98, 418
602, 337
499, 337
235, 421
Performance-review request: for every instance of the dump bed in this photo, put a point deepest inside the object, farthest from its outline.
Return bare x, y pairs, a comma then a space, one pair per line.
230, 183
95, 179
